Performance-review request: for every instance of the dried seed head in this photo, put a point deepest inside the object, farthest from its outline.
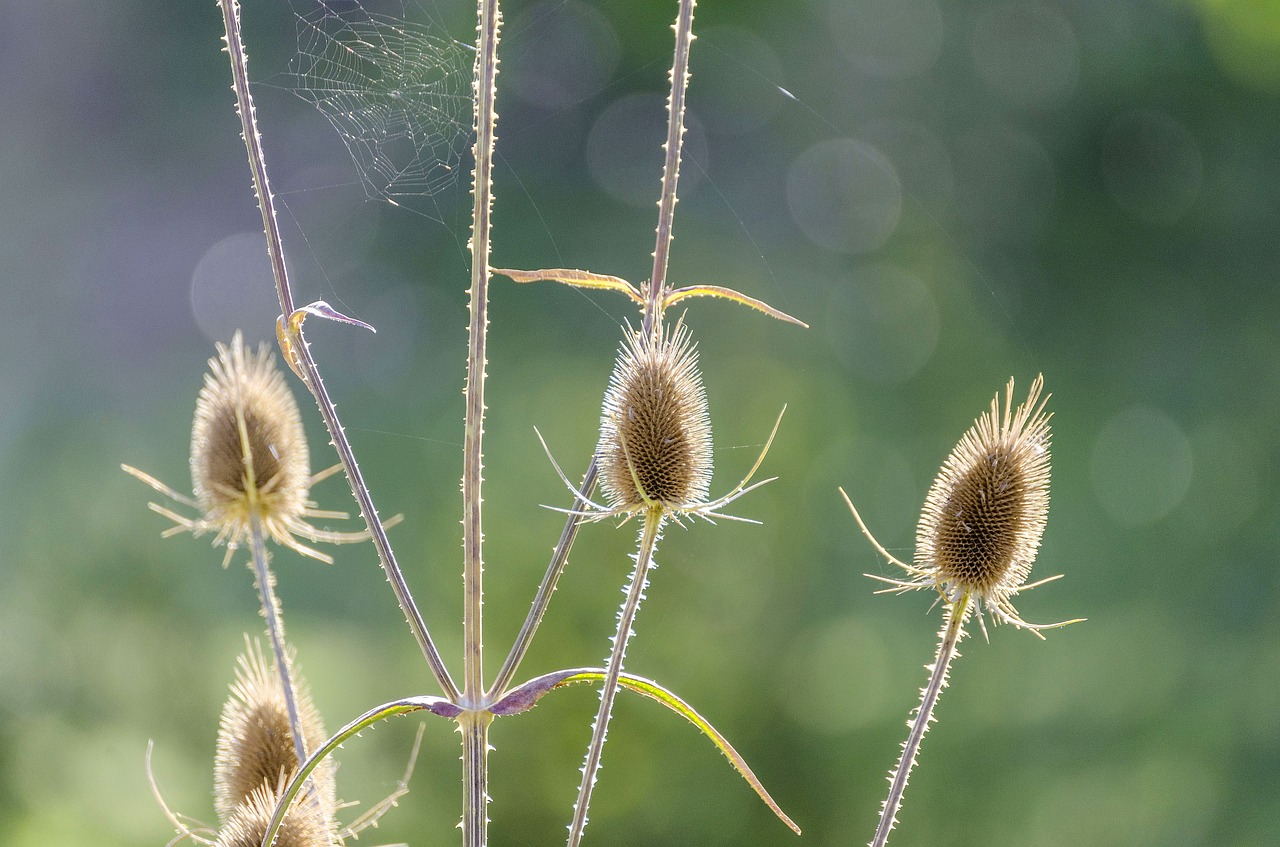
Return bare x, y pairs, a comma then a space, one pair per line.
305, 825
983, 518
248, 450
249, 460
255, 744
655, 435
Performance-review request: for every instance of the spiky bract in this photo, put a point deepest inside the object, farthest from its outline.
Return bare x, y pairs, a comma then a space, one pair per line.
985, 513
655, 434
255, 748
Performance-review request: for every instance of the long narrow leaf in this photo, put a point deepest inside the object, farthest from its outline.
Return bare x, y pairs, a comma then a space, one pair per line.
576, 278
436, 705
526, 696
728, 294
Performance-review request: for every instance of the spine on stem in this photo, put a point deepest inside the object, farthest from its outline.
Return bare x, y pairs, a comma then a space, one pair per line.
952, 632
474, 724
649, 535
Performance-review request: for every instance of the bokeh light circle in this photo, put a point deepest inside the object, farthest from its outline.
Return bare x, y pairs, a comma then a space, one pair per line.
624, 150
888, 38
883, 323
1141, 466
232, 288
1027, 54
1152, 166
844, 195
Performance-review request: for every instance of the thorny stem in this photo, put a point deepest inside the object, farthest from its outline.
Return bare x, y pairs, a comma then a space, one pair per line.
952, 632
653, 519
474, 724
275, 631
670, 167
253, 141
275, 250
379, 534
486, 71
559, 558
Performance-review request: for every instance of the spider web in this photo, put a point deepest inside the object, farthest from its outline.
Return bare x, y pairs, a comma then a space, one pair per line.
397, 92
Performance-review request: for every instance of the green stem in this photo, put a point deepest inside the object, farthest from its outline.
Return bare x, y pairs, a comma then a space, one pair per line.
490, 19
559, 558
474, 726
670, 167
253, 143
474, 722
626, 618
266, 580
307, 363
952, 632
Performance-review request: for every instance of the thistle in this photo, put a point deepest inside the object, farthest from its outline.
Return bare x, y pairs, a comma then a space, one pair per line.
977, 538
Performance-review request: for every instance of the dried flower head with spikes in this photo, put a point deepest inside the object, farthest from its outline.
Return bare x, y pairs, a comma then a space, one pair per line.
304, 826
983, 518
985, 513
255, 746
655, 435
249, 459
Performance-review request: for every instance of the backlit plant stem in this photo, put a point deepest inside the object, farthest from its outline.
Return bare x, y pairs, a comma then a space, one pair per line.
542, 599
307, 364
275, 631
473, 722
670, 167
952, 632
653, 519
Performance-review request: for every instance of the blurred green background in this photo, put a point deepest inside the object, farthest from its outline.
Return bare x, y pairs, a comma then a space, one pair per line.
953, 193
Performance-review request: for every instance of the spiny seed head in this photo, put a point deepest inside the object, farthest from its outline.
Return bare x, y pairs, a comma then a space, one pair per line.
255, 744
248, 449
655, 435
983, 518
306, 825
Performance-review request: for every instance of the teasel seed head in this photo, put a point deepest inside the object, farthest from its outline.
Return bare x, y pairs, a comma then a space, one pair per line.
249, 460
255, 747
985, 513
655, 434
304, 826
248, 449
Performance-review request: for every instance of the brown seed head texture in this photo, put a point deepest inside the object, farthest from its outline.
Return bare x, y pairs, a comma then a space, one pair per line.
255, 744
305, 825
655, 434
983, 518
248, 449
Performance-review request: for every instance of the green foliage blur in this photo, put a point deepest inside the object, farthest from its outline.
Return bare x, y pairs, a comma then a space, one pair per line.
950, 193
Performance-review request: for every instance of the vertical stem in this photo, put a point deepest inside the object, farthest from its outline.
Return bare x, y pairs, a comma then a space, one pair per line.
952, 632
368, 511
559, 558
307, 365
486, 71
253, 144
275, 631
671, 166
626, 617
474, 726
475, 723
